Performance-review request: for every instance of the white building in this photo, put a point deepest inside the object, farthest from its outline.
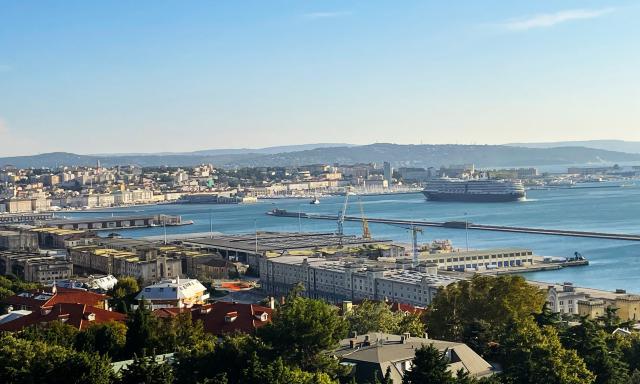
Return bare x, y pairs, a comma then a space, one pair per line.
336, 281
565, 299
178, 293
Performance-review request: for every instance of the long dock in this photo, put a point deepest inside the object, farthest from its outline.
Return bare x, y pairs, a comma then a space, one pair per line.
115, 222
463, 225
24, 218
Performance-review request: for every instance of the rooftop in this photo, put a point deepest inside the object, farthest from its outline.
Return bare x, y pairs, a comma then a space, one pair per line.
38, 298
77, 315
382, 350
172, 290
279, 241
223, 317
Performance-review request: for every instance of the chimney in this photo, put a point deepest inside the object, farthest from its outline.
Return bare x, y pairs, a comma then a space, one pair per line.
272, 302
402, 340
426, 335
406, 335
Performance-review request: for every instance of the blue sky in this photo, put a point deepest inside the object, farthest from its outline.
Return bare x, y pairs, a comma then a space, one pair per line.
145, 76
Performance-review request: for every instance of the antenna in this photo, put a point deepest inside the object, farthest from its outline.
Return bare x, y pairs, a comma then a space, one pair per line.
164, 227
210, 224
255, 229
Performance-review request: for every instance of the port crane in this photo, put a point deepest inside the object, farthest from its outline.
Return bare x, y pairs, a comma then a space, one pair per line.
341, 216
366, 233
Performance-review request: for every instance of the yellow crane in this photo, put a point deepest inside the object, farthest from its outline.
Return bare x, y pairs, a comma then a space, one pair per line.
366, 234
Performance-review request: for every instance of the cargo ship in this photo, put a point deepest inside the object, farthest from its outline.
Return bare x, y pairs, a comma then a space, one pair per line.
475, 190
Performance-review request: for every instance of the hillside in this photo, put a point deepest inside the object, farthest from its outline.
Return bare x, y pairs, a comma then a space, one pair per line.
398, 155
607, 145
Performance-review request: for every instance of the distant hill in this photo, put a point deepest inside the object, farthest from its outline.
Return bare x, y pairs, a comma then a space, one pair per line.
236, 151
608, 145
398, 155
437, 155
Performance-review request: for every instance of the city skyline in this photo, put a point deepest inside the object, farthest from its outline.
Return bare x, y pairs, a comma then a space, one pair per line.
161, 77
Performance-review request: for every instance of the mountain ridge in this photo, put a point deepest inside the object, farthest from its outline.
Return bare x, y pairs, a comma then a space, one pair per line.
410, 155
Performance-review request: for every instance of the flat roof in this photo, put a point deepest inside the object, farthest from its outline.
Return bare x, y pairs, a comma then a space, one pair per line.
279, 241
478, 252
98, 219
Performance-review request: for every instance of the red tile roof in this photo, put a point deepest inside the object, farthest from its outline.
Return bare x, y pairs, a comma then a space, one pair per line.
38, 298
79, 316
248, 317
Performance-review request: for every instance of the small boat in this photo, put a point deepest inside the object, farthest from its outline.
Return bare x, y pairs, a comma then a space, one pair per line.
314, 201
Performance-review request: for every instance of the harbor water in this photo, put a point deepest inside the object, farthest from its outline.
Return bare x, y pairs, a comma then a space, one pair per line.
613, 209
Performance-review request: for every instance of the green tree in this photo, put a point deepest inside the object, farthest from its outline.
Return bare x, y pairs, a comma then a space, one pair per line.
181, 332
429, 366
635, 377
601, 356
106, 339
302, 329
26, 361
372, 316
142, 332
534, 355
226, 359
124, 292
10, 285
630, 347
410, 323
483, 303
53, 332
147, 370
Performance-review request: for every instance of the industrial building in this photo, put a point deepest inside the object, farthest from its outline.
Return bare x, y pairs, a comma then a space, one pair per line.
477, 260
250, 248
337, 281
97, 259
18, 240
35, 267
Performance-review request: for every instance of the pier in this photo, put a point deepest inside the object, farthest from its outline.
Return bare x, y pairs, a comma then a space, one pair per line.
115, 222
462, 225
24, 218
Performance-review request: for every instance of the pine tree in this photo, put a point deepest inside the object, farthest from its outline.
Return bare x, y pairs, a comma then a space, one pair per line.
429, 366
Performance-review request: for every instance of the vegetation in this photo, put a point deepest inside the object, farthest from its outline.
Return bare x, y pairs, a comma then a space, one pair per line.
375, 316
503, 319
26, 361
9, 286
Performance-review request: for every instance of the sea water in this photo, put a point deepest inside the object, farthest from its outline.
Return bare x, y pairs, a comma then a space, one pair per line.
614, 209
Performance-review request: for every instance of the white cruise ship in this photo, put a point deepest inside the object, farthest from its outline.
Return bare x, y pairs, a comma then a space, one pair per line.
481, 190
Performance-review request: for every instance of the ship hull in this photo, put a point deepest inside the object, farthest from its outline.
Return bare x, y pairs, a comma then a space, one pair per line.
473, 197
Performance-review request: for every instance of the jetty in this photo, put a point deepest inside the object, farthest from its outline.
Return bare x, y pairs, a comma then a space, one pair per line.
461, 225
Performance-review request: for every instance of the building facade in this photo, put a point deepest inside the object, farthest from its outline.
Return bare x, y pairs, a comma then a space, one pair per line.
337, 281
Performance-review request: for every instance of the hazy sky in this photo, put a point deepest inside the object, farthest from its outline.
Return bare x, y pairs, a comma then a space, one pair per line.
143, 76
